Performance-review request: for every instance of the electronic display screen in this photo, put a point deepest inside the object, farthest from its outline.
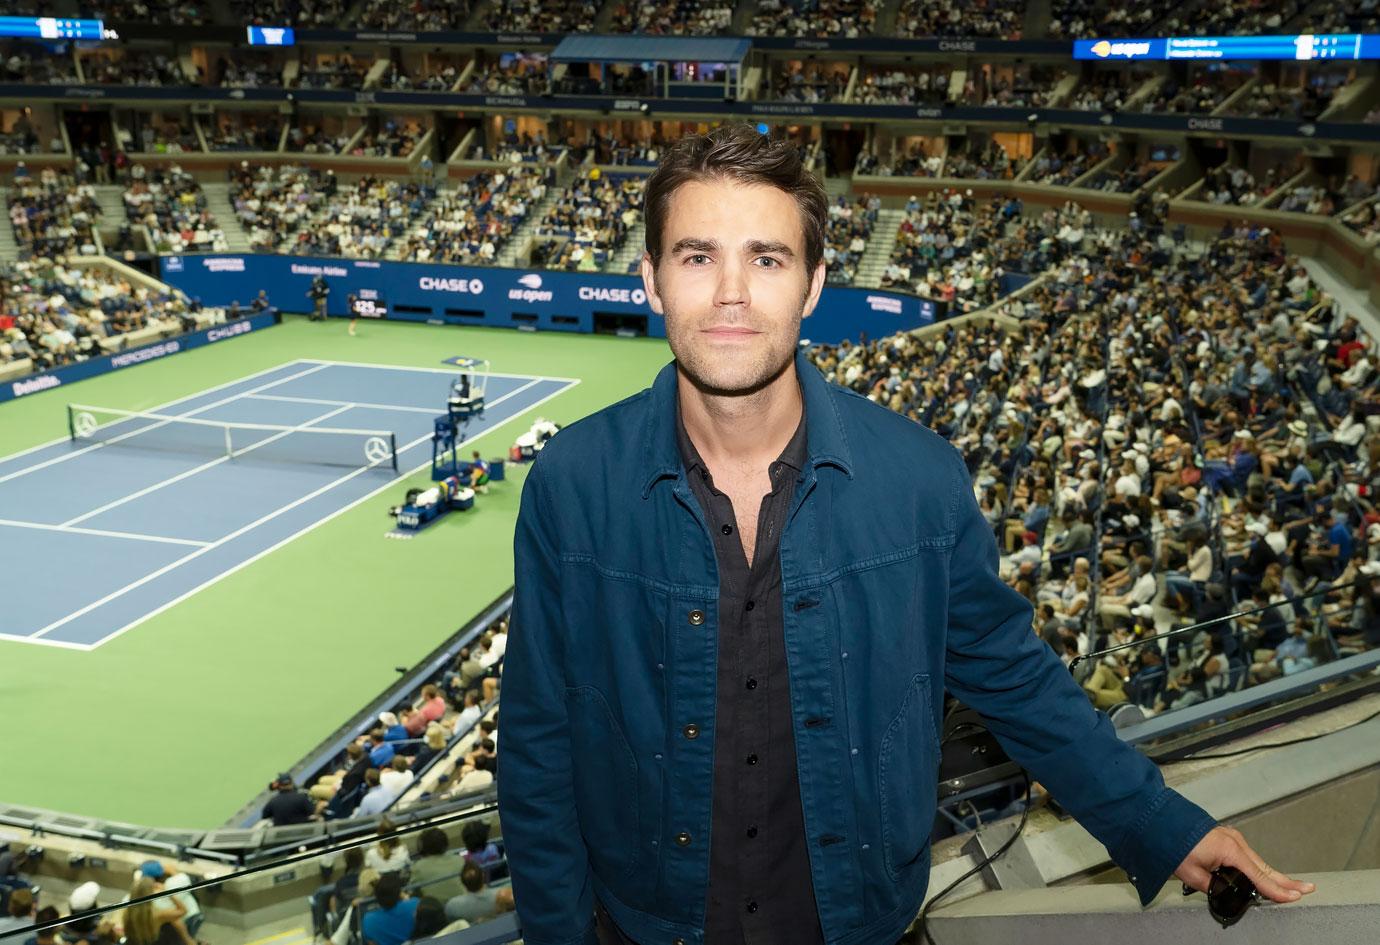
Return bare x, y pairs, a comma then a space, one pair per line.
271, 35
1305, 47
52, 27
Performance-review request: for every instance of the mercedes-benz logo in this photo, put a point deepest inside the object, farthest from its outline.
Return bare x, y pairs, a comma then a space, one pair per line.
377, 450
84, 424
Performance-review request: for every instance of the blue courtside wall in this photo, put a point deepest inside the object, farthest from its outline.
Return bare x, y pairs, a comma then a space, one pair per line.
59, 377
494, 297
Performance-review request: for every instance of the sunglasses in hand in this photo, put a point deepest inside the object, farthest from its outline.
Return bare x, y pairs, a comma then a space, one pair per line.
1229, 895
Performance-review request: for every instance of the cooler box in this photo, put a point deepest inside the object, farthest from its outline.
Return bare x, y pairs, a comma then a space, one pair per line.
495, 470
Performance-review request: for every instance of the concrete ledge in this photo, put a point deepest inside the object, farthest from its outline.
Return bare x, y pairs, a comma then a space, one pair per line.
1344, 910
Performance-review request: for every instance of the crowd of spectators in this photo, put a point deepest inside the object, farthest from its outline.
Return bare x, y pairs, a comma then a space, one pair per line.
1126, 179
1297, 101
438, 75
902, 85
846, 233
994, 19
1233, 184
672, 17
542, 16
161, 136
245, 133
1342, 16
1062, 167
1019, 86
1172, 436
272, 203
984, 162
1205, 88
589, 221
341, 72
471, 223
312, 138
1077, 19
522, 75
392, 139
363, 219
819, 18
1106, 90
133, 67
808, 81
171, 12
911, 161
415, 15
326, 14
55, 314
53, 214
172, 206
520, 148
249, 70
21, 65
1235, 17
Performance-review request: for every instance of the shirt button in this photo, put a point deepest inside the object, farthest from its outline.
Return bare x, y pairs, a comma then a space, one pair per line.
751, 832
752, 759
683, 838
691, 731
751, 683
750, 604
752, 905
727, 529
679, 941
696, 618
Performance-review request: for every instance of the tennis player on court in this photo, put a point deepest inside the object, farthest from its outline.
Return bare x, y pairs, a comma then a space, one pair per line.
740, 596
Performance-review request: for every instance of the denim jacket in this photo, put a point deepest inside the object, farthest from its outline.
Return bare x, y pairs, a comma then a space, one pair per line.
890, 593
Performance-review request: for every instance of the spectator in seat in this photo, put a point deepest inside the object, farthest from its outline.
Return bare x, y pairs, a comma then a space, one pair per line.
388, 856
380, 750
432, 709
376, 798
434, 873
19, 912
479, 777
397, 777
159, 922
433, 745
393, 730
91, 930
468, 714
343, 779
478, 848
392, 922
288, 805
476, 902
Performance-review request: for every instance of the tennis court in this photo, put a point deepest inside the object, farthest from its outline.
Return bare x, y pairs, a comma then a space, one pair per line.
105, 529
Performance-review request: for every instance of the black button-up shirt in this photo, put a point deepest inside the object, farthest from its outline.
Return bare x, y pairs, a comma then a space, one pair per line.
760, 889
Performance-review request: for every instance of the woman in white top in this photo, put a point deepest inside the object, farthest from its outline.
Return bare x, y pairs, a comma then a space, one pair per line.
1183, 590
388, 855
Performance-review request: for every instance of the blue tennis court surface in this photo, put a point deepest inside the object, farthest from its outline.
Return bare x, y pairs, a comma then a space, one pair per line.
149, 512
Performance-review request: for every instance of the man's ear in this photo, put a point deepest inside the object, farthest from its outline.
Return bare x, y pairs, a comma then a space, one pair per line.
648, 270
816, 287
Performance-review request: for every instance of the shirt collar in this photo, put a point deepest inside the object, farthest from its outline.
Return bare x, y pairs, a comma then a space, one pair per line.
826, 442
794, 454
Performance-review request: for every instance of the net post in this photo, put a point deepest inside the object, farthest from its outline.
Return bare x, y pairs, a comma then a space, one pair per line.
393, 449
71, 423
229, 447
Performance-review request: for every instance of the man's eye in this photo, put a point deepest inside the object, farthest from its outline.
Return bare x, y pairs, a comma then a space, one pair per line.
691, 259
775, 263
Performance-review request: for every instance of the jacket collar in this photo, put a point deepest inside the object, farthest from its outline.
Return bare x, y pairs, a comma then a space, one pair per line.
826, 441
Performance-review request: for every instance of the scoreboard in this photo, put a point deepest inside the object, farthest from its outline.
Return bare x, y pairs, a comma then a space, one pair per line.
1303, 47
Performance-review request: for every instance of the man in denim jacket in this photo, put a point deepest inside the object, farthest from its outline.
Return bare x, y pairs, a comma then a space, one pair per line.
741, 475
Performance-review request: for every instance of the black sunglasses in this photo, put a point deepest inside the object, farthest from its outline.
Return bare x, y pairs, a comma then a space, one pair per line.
1229, 895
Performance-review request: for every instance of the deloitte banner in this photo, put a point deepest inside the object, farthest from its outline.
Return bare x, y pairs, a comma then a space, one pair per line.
62, 376
494, 297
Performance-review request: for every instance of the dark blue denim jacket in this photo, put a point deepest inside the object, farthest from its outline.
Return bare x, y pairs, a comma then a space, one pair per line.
890, 594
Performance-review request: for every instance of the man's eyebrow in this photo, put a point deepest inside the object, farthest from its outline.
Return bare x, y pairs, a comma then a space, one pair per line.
695, 244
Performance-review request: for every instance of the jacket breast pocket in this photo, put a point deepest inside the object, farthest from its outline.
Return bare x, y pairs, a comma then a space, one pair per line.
605, 781
908, 763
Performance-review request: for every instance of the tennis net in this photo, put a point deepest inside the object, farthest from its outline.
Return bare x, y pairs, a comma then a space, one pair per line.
320, 445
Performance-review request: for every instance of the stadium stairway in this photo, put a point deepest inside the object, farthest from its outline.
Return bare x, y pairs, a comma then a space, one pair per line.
112, 200
218, 202
631, 250
9, 247
515, 253
879, 246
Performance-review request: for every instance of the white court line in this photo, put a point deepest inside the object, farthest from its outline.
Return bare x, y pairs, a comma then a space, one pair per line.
62, 644
160, 407
134, 536
453, 370
430, 411
256, 523
125, 436
116, 503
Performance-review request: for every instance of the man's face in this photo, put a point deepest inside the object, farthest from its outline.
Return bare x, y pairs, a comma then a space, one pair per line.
732, 283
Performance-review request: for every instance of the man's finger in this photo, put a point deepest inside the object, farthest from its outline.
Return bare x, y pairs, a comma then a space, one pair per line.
1196, 877
1274, 874
1261, 875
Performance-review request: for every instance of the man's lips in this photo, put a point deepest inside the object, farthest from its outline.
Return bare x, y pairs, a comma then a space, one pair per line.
729, 330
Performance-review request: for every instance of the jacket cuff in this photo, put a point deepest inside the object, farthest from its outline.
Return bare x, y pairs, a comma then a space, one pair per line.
1162, 836
588, 937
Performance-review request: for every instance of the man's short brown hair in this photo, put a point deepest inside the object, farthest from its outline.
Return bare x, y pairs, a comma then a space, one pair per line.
739, 152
